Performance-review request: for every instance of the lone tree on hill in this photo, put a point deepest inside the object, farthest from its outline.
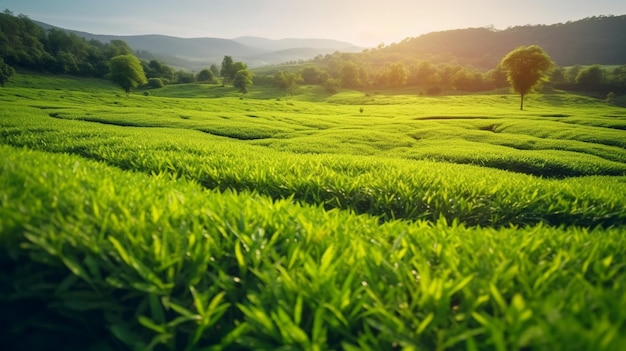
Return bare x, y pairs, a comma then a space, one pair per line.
6, 72
526, 67
127, 72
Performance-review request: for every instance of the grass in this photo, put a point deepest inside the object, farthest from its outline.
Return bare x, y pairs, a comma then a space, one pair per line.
175, 222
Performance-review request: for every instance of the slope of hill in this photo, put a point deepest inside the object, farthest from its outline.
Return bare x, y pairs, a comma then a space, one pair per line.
587, 41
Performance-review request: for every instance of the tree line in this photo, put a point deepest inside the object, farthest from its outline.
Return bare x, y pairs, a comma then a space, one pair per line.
24, 44
364, 71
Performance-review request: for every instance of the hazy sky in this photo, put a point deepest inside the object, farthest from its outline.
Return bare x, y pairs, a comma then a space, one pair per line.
362, 22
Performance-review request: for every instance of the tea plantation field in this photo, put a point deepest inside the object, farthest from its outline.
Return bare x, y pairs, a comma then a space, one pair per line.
197, 219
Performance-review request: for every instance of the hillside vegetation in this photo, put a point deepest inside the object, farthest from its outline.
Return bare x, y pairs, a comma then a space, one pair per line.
196, 219
593, 40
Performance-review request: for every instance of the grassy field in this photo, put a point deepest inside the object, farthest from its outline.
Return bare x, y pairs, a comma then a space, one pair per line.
195, 218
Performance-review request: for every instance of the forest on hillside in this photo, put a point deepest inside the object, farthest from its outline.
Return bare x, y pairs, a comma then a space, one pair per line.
374, 70
25, 45
465, 60
593, 40
589, 56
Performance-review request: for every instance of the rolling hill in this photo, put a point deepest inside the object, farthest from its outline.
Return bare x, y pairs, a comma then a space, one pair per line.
588, 41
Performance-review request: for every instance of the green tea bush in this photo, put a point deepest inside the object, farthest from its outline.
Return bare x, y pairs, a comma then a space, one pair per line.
131, 261
173, 223
388, 188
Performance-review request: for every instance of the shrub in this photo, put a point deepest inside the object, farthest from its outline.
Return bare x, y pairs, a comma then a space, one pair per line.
155, 83
206, 76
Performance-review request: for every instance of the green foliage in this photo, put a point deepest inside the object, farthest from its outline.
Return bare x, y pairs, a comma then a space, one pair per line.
423, 74
206, 76
313, 75
591, 78
526, 67
287, 81
350, 75
184, 77
6, 72
164, 264
227, 71
236, 73
21, 43
157, 69
24, 44
214, 70
332, 85
127, 72
242, 80
155, 83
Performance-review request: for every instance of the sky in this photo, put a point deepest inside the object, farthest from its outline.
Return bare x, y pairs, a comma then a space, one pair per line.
366, 23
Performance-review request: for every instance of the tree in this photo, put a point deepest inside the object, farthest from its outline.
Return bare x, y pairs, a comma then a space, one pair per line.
288, 81
242, 79
236, 67
184, 77
118, 47
332, 85
350, 75
155, 83
396, 74
127, 72
6, 72
468, 80
591, 78
157, 69
280, 81
206, 76
230, 69
423, 74
227, 69
215, 70
311, 75
526, 67
496, 78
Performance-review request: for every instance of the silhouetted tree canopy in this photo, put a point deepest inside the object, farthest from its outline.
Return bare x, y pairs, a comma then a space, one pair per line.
526, 67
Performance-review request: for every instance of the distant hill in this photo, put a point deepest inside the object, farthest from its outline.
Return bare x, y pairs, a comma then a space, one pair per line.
293, 43
600, 40
198, 53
